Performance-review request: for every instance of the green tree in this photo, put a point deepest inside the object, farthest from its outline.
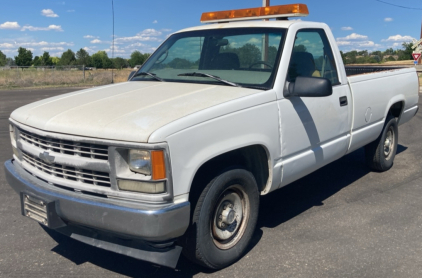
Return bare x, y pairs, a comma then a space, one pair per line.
119, 63
36, 62
101, 60
24, 58
137, 58
391, 58
55, 60
68, 58
406, 54
46, 60
97, 61
83, 58
2, 59
389, 51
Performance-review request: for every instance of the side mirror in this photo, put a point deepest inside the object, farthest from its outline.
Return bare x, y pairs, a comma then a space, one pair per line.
309, 87
131, 74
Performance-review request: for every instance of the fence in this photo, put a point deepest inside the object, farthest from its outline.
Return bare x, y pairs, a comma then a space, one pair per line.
76, 75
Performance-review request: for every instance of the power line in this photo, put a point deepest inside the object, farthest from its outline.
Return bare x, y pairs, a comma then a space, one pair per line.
409, 8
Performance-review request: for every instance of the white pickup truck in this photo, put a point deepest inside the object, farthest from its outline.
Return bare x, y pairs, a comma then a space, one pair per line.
177, 157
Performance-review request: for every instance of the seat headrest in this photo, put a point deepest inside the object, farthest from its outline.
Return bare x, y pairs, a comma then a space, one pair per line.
301, 64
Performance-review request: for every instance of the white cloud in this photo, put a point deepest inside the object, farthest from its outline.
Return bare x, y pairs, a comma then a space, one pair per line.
10, 25
155, 22
388, 19
45, 44
341, 43
150, 32
48, 13
97, 41
346, 28
145, 35
7, 45
368, 44
90, 37
52, 48
89, 49
353, 36
398, 38
49, 28
136, 44
166, 30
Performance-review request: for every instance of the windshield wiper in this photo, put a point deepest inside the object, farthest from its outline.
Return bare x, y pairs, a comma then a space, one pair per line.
153, 75
200, 74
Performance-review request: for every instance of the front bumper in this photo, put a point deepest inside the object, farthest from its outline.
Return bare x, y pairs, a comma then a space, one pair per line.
148, 225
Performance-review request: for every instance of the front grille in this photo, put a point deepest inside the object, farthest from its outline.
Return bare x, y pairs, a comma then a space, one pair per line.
68, 173
68, 147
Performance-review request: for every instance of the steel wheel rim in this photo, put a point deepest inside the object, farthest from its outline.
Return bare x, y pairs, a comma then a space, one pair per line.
224, 234
389, 143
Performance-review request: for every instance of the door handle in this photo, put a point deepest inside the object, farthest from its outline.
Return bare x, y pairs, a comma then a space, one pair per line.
343, 101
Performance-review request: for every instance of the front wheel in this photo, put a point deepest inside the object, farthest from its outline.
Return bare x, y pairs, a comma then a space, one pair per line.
223, 220
380, 154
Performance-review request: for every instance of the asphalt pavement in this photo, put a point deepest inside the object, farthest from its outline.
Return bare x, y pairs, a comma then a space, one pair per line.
341, 221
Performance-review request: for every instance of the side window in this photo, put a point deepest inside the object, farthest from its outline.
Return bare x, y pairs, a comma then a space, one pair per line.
312, 56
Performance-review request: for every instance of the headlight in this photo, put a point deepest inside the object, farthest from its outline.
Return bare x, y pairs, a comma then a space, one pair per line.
150, 163
140, 161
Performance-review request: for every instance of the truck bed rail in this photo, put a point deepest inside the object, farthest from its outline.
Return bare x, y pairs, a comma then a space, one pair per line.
355, 70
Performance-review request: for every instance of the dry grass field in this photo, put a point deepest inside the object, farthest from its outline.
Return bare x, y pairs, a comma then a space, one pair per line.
31, 77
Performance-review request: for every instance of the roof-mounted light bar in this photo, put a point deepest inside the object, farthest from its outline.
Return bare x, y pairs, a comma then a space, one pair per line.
282, 11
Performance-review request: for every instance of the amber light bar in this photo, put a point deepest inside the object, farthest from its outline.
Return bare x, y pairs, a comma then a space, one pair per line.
292, 10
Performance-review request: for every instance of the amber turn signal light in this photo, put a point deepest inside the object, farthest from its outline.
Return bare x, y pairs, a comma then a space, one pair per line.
158, 165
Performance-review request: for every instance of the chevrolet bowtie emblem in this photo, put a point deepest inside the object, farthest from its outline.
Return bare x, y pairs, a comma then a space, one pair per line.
46, 157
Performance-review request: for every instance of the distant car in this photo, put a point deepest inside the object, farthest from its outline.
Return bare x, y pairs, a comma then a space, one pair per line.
137, 67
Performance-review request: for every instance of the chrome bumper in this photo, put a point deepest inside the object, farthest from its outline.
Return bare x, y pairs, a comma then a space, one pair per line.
148, 224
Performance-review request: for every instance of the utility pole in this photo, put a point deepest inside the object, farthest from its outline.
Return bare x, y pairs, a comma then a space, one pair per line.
264, 57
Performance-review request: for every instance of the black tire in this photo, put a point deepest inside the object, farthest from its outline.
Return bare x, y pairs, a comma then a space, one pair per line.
380, 154
211, 242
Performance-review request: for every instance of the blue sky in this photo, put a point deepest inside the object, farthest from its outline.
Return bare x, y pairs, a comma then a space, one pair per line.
56, 26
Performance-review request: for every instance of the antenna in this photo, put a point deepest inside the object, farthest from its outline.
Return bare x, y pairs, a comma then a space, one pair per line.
112, 46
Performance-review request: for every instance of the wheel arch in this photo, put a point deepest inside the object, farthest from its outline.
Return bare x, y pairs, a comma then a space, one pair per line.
395, 107
254, 158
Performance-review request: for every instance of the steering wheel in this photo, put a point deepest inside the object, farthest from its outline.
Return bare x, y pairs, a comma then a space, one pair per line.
261, 63
165, 54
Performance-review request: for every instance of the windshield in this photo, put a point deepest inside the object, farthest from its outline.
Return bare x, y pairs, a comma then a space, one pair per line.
246, 57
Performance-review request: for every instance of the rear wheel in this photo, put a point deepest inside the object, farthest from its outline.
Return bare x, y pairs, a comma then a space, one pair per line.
223, 220
380, 154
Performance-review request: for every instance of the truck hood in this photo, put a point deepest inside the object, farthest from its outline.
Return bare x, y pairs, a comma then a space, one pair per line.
128, 111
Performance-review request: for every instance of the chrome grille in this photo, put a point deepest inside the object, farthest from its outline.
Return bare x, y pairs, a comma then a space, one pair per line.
87, 150
68, 173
